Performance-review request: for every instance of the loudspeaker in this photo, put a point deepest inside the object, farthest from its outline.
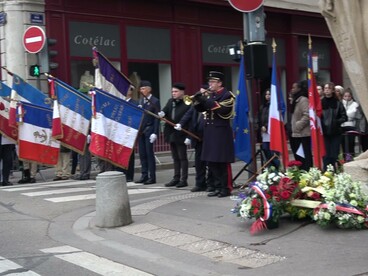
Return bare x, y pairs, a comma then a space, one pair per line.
256, 61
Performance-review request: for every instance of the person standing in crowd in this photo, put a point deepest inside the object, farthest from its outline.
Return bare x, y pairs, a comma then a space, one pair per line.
196, 124
339, 91
320, 91
218, 144
63, 164
362, 127
148, 134
29, 172
300, 125
6, 157
349, 128
333, 115
263, 128
85, 162
173, 111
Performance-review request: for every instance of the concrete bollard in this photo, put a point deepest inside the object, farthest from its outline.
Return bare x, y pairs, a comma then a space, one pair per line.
112, 200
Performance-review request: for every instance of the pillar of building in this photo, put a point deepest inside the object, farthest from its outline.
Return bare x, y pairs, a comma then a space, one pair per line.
19, 16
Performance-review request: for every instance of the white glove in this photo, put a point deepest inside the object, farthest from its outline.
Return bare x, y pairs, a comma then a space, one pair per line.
187, 142
152, 138
177, 127
88, 139
161, 114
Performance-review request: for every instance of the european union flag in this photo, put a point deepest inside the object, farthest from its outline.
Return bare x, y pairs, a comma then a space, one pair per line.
241, 123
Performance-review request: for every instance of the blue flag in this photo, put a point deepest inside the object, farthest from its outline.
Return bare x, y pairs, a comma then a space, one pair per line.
241, 123
108, 78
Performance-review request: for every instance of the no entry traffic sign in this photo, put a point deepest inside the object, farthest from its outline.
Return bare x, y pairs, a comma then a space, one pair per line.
34, 39
246, 5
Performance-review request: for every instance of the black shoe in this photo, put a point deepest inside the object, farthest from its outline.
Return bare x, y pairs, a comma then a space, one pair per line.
129, 180
24, 180
210, 189
83, 178
181, 184
214, 193
172, 183
6, 183
32, 180
57, 178
197, 189
223, 194
150, 181
142, 180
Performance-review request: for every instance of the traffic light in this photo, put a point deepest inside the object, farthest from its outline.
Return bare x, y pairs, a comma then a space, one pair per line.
256, 26
46, 56
34, 70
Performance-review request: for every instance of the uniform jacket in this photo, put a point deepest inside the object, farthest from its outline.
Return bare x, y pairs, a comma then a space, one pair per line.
149, 123
300, 125
196, 124
170, 134
218, 143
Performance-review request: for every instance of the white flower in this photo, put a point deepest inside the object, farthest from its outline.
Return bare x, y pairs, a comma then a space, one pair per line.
327, 216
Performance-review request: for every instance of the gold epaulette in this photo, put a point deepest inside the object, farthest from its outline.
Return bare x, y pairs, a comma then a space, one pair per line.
228, 103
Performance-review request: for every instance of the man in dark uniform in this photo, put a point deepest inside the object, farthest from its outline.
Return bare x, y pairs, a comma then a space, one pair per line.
173, 111
148, 134
218, 144
196, 125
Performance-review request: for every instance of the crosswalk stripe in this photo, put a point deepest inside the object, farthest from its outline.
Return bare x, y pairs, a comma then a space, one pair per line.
93, 196
92, 262
66, 184
8, 267
60, 191
71, 198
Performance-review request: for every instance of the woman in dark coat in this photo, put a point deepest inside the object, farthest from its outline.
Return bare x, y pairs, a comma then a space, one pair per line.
333, 116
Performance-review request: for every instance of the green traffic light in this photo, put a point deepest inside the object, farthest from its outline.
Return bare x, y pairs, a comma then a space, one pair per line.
34, 70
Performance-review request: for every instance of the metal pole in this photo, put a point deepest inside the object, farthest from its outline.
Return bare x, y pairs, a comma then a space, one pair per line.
250, 87
38, 81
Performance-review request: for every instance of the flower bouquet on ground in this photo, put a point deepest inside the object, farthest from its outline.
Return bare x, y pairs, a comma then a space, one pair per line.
328, 198
266, 199
345, 205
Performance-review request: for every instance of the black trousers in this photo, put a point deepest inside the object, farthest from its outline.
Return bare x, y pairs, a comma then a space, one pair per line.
200, 167
180, 158
6, 155
306, 142
332, 145
220, 176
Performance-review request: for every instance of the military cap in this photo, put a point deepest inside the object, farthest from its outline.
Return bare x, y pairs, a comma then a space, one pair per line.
179, 85
214, 75
145, 83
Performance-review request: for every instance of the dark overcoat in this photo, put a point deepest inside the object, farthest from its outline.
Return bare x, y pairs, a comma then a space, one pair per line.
218, 142
170, 134
149, 123
196, 124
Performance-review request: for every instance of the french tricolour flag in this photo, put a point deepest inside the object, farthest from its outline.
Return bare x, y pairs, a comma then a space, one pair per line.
108, 78
5, 129
114, 128
71, 117
23, 91
35, 141
276, 129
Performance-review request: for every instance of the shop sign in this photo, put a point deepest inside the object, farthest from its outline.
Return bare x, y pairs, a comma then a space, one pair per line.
83, 36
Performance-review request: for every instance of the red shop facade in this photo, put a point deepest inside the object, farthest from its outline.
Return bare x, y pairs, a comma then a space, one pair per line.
165, 41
